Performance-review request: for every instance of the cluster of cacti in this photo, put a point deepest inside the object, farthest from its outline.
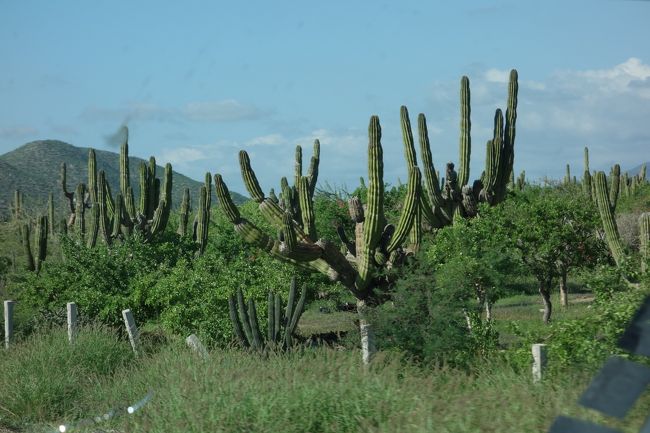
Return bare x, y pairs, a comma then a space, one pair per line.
116, 217
377, 244
35, 257
620, 185
281, 325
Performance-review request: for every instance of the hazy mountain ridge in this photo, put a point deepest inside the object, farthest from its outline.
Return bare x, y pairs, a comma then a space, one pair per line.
35, 169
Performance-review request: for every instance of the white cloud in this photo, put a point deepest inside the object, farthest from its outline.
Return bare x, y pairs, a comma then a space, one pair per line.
267, 140
497, 76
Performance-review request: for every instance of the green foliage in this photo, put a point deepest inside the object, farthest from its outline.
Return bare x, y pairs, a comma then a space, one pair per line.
425, 321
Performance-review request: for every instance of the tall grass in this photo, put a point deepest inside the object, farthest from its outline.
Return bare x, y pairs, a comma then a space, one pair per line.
313, 391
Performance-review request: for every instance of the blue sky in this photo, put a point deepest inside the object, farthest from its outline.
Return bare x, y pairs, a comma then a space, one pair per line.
197, 81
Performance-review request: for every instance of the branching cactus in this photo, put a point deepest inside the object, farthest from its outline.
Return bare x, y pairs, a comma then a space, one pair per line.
606, 211
116, 217
378, 245
281, 325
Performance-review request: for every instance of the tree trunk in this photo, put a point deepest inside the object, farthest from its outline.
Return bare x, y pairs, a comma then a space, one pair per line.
488, 310
368, 347
544, 290
468, 320
564, 290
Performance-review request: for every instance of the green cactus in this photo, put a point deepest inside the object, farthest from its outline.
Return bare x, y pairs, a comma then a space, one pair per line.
184, 213
644, 237
80, 211
642, 174
280, 327
567, 176
377, 244
521, 180
606, 211
50, 213
36, 258
614, 185
92, 175
586, 176
93, 231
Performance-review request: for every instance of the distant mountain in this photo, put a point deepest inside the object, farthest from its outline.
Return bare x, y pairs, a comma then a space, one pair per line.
35, 169
634, 171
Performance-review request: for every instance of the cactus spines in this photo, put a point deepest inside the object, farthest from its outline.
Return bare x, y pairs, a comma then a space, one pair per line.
644, 244
607, 216
465, 147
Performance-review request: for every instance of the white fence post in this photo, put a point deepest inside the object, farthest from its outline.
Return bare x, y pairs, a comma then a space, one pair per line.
9, 322
131, 329
539, 361
72, 321
196, 346
367, 342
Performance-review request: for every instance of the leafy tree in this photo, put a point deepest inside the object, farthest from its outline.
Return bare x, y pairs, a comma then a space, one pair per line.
552, 233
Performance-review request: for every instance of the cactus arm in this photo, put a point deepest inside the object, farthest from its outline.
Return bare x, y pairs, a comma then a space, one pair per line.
508, 153
144, 189
277, 320
243, 317
415, 236
250, 179
94, 225
307, 208
41, 242
236, 324
290, 301
409, 210
295, 318
31, 266
407, 137
255, 326
202, 219
312, 173
110, 203
586, 177
152, 195
644, 238
184, 213
92, 175
298, 167
270, 337
124, 166
104, 220
64, 186
465, 147
80, 220
614, 185
434, 194
607, 216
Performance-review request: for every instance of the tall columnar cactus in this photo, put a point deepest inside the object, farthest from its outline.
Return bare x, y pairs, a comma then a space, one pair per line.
521, 181
378, 245
80, 210
586, 176
281, 325
92, 175
36, 257
606, 211
68, 194
184, 213
17, 205
642, 174
614, 185
644, 237
201, 220
50, 213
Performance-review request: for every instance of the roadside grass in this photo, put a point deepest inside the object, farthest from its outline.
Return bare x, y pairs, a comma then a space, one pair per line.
316, 390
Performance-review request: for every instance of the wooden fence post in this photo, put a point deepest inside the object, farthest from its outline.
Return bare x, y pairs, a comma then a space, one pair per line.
539, 361
132, 330
72, 321
9, 322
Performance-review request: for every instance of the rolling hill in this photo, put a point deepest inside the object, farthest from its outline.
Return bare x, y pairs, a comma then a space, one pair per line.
35, 168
